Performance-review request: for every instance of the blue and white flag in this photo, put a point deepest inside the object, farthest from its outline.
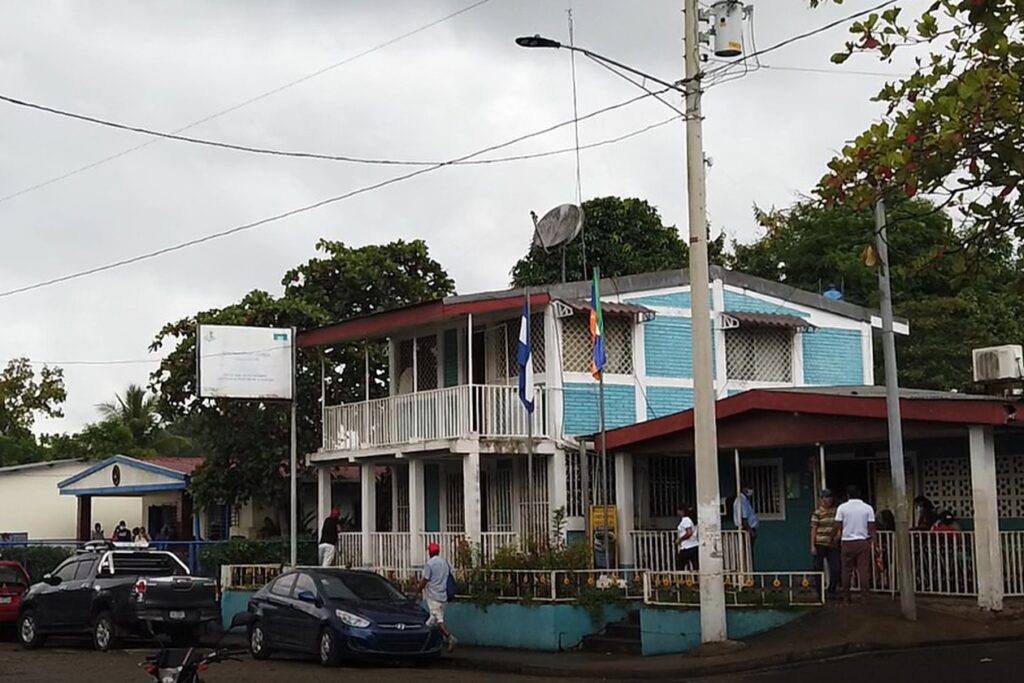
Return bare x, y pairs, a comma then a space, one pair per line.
524, 358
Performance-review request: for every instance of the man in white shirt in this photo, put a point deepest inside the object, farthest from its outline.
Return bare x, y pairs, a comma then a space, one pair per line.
856, 521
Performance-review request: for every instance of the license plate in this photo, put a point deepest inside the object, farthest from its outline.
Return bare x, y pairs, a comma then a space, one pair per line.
176, 614
5, 601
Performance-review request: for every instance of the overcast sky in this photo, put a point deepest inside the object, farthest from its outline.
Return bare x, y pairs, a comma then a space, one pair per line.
453, 89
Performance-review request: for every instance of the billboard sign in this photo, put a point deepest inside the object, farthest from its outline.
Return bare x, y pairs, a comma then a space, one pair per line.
245, 362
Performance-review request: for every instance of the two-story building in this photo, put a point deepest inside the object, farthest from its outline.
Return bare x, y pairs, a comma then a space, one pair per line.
453, 433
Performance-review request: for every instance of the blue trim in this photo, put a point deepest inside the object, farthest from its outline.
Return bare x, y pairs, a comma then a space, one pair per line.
126, 490
123, 460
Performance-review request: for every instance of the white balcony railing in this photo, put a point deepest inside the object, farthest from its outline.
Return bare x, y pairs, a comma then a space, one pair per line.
656, 550
484, 410
1013, 562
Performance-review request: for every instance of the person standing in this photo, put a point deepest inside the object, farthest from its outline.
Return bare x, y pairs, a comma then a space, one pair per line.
434, 587
856, 520
744, 516
328, 546
122, 534
687, 555
97, 532
825, 540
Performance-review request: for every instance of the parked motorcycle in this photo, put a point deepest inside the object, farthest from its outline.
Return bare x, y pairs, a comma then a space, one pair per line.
185, 665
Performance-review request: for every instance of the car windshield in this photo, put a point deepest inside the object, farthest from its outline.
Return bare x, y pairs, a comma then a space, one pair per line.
11, 576
357, 587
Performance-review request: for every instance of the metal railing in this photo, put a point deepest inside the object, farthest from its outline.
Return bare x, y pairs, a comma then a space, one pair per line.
486, 410
943, 563
656, 550
350, 549
247, 576
391, 550
493, 541
742, 589
531, 585
1013, 562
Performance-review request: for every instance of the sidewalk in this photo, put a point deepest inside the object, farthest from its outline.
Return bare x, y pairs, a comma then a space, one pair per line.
833, 631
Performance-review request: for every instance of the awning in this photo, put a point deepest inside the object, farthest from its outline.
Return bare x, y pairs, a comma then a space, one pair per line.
735, 319
610, 308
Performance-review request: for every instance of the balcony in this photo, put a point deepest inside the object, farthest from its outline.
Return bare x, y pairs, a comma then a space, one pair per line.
486, 411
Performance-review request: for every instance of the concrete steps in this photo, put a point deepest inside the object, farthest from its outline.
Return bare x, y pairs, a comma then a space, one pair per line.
620, 637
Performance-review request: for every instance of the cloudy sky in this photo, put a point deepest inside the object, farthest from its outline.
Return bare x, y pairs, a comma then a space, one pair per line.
458, 87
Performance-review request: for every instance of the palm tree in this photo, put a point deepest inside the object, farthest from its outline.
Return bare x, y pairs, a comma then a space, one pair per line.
136, 410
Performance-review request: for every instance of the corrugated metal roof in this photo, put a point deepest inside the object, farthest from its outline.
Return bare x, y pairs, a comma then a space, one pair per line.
608, 307
770, 320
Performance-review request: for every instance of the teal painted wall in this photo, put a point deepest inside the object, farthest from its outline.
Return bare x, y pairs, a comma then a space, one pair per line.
672, 631
833, 357
451, 358
676, 300
545, 628
667, 347
581, 407
741, 303
662, 401
432, 497
233, 602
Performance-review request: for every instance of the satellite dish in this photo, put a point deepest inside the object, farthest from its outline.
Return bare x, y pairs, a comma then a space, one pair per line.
560, 225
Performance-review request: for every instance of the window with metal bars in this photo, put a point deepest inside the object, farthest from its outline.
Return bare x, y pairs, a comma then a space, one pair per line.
503, 340
766, 478
455, 512
577, 345
498, 484
426, 362
759, 354
671, 484
576, 497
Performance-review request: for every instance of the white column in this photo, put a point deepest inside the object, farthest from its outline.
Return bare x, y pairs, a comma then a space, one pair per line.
558, 494
323, 495
988, 555
368, 509
417, 512
471, 495
624, 507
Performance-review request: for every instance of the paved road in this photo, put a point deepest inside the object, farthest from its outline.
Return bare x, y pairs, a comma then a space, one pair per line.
966, 664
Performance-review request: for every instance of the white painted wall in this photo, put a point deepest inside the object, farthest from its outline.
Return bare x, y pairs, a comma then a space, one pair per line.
29, 502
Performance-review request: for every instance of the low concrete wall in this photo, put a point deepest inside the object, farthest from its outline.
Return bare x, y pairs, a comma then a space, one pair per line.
233, 602
544, 628
671, 631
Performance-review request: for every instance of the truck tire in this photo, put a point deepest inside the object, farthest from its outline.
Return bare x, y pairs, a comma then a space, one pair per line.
259, 645
28, 631
104, 632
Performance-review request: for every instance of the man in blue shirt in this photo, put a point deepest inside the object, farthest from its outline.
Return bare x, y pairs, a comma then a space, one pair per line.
743, 514
434, 587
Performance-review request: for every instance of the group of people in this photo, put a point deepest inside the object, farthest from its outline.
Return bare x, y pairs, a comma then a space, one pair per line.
687, 543
122, 534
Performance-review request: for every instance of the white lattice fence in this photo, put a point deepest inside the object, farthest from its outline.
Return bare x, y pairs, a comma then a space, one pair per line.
577, 344
759, 354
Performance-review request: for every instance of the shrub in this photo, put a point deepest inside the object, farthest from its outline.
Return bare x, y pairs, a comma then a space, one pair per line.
36, 559
246, 551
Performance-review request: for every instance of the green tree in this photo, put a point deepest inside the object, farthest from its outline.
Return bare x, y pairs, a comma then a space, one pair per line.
136, 410
23, 396
623, 237
953, 130
246, 442
955, 299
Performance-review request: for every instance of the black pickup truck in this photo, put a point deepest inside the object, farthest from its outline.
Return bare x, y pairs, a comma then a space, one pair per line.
115, 592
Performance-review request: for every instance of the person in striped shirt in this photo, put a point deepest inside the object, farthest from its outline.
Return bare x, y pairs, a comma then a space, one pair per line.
825, 540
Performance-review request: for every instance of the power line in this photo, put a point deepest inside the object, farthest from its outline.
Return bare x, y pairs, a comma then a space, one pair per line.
287, 153
309, 207
245, 103
834, 72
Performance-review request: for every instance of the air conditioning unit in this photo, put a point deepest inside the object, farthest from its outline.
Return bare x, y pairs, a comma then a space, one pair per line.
998, 363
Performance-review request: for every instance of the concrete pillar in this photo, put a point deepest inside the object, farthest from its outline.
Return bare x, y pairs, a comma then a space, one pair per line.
471, 496
395, 473
324, 502
367, 507
417, 512
988, 554
558, 493
84, 518
624, 508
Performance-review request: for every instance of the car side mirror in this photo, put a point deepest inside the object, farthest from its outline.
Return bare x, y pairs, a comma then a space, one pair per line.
309, 596
51, 579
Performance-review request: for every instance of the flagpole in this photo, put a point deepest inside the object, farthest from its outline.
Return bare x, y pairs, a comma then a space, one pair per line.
529, 432
604, 474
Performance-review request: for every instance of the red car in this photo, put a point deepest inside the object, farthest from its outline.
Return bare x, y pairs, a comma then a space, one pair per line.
13, 585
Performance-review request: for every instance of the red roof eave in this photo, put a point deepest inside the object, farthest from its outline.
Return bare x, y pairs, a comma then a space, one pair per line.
384, 324
952, 411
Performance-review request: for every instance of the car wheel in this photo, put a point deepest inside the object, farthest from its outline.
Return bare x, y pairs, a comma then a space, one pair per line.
104, 633
259, 646
328, 648
28, 631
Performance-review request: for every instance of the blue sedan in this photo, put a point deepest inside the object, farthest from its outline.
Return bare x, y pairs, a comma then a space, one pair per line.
339, 614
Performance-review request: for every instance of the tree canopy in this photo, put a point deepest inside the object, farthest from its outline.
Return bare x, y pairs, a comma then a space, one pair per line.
621, 236
246, 442
23, 396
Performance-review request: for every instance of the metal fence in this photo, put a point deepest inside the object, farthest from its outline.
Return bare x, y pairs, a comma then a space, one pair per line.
742, 589
656, 550
1013, 562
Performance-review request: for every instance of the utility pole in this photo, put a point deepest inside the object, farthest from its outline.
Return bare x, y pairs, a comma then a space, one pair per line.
892, 402
705, 437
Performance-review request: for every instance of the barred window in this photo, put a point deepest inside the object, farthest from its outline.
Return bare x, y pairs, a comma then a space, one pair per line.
577, 497
759, 354
577, 346
671, 483
455, 510
766, 478
503, 340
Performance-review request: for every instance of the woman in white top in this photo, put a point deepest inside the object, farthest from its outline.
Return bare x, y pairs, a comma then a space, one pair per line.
686, 541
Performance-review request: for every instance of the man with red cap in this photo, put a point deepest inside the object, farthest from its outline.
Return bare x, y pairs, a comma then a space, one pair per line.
434, 587
329, 539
